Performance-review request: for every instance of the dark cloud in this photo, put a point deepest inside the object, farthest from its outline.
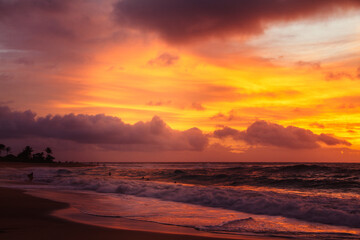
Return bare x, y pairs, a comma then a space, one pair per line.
35, 19
21, 7
219, 116
229, 132
223, 117
6, 102
271, 134
159, 103
5, 77
313, 65
183, 20
330, 140
101, 130
164, 60
57, 31
333, 76
197, 106
24, 61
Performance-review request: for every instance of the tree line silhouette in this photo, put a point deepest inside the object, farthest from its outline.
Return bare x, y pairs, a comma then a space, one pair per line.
26, 155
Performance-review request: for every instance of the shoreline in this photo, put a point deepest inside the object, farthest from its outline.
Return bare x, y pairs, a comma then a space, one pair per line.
30, 165
23, 216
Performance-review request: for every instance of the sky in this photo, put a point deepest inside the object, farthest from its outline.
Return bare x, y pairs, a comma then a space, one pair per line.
201, 80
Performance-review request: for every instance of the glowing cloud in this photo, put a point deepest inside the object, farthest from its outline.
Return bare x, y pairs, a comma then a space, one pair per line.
100, 129
264, 133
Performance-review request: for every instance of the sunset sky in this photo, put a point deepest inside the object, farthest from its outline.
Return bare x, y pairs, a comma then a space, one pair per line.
178, 80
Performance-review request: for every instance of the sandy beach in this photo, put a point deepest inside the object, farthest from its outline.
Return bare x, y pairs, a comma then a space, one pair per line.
26, 217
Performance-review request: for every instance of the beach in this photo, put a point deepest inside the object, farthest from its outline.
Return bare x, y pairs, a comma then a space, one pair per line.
178, 201
26, 217
175, 119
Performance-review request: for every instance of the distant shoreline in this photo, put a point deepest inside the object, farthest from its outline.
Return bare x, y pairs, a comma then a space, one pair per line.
55, 164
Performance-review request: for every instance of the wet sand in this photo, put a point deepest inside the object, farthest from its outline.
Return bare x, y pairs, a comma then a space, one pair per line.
26, 217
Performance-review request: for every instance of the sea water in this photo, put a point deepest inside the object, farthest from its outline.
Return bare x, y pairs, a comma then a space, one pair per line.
308, 201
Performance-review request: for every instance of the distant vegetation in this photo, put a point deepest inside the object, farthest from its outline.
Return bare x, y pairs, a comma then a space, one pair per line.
26, 155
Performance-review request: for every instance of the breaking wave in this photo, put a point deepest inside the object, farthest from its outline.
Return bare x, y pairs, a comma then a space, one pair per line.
327, 210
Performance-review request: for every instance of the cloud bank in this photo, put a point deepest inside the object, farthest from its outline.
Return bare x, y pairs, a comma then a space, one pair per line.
113, 134
101, 130
182, 20
271, 134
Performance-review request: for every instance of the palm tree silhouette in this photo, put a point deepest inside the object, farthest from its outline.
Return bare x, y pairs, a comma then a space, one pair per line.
49, 158
48, 150
26, 153
2, 148
7, 149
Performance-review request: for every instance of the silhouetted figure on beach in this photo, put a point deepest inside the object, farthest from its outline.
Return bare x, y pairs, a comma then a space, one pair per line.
30, 176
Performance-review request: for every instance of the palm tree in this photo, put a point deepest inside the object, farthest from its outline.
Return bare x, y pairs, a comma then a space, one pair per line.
26, 153
48, 150
8, 150
49, 158
38, 157
2, 148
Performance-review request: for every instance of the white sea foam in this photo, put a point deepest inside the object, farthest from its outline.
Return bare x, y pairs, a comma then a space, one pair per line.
107, 207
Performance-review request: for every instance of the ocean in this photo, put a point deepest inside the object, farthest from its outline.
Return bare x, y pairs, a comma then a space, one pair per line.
292, 200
